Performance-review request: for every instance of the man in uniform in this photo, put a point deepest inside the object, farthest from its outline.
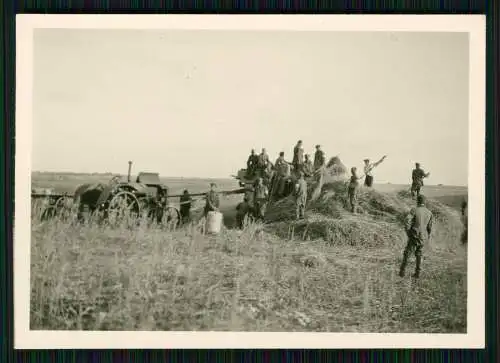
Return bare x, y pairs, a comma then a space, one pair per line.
418, 228
300, 196
308, 167
352, 189
465, 220
242, 211
368, 171
417, 176
281, 166
212, 200
186, 201
319, 158
263, 163
261, 195
298, 157
252, 162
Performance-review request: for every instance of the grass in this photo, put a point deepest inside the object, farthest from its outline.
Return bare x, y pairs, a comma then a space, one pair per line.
148, 278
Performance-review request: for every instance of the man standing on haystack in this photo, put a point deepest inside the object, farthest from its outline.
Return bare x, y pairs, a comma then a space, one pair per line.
418, 229
417, 176
319, 158
261, 195
212, 200
263, 163
298, 157
368, 171
252, 162
352, 189
300, 196
282, 168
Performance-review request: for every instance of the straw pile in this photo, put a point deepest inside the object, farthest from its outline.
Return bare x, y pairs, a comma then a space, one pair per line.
379, 221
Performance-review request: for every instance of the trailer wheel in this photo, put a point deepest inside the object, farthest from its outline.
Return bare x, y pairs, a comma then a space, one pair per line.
171, 217
58, 209
122, 206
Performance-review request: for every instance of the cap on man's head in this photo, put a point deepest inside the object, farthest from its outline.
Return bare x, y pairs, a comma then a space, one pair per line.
318, 146
213, 184
417, 164
366, 160
282, 153
420, 199
299, 142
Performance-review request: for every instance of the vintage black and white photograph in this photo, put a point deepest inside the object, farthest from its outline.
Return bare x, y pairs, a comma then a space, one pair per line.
251, 180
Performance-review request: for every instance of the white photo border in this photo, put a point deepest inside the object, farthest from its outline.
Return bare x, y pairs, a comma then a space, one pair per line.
24, 338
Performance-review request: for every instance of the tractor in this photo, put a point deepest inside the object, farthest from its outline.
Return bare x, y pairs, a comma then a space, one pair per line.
146, 197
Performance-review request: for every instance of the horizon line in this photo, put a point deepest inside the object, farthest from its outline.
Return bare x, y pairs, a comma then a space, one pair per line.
229, 177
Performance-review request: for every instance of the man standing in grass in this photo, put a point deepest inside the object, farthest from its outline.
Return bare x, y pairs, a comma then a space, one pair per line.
186, 201
417, 176
300, 196
261, 195
212, 200
368, 171
418, 229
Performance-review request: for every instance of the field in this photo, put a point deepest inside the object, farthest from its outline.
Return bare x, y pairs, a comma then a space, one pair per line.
153, 279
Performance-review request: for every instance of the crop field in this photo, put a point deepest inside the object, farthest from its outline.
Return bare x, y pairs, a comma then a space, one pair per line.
150, 278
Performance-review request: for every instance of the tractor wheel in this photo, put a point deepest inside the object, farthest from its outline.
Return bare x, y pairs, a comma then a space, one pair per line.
123, 206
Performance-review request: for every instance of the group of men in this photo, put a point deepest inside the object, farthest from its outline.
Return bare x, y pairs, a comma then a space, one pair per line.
418, 222
261, 166
418, 175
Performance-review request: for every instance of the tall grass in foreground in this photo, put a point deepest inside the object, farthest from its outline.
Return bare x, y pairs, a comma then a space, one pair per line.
147, 278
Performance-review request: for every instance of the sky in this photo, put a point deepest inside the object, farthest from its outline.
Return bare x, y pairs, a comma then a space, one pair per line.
193, 103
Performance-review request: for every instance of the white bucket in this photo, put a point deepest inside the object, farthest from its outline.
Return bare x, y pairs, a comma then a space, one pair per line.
213, 223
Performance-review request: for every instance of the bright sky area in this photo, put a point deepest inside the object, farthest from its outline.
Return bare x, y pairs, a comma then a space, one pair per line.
193, 103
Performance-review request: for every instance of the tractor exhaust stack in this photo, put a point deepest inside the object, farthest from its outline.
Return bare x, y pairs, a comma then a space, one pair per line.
129, 170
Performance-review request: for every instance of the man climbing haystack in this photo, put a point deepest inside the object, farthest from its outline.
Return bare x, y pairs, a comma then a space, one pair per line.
308, 167
300, 196
352, 189
261, 195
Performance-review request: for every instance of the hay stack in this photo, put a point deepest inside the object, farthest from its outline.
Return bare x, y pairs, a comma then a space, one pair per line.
381, 220
333, 171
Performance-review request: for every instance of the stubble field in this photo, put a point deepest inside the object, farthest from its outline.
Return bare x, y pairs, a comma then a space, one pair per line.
100, 278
